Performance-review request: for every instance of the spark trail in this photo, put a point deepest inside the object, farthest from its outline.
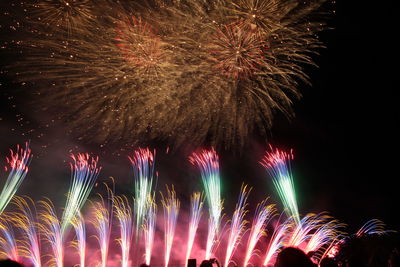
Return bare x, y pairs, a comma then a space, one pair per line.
277, 163
208, 163
18, 163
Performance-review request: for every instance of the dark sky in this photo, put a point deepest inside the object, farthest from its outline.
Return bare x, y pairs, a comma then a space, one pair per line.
344, 134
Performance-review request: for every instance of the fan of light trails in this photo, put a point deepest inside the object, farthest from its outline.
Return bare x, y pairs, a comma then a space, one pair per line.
18, 163
123, 212
208, 163
196, 207
84, 172
171, 207
371, 227
149, 229
25, 220
143, 169
50, 226
78, 222
323, 238
302, 231
277, 240
238, 224
8, 243
264, 213
102, 221
277, 163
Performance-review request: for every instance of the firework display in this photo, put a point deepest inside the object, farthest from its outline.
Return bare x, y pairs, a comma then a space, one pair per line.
176, 70
37, 238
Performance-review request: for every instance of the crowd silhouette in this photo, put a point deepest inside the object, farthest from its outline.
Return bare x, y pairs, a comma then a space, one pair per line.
374, 250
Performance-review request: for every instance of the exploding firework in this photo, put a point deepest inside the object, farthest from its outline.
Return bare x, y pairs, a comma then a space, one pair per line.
176, 70
208, 163
68, 14
263, 214
277, 163
18, 163
139, 44
84, 173
171, 207
238, 50
196, 207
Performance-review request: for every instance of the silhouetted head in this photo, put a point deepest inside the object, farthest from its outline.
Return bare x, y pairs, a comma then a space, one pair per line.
10, 263
328, 262
206, 263
293, 257
144, 265
394, 259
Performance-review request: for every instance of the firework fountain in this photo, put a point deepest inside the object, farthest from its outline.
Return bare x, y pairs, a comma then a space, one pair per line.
208, 163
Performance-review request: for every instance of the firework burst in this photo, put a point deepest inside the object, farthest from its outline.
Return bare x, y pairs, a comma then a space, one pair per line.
177, 70
68, 14
18, 163
237, 49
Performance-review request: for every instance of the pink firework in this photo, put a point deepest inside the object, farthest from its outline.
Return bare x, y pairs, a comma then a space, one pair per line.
18, 163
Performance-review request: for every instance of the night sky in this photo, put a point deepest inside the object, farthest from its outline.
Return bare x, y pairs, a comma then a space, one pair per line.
344, 134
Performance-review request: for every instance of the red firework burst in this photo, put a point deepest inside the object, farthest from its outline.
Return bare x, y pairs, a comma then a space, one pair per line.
139, 42
238, 49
